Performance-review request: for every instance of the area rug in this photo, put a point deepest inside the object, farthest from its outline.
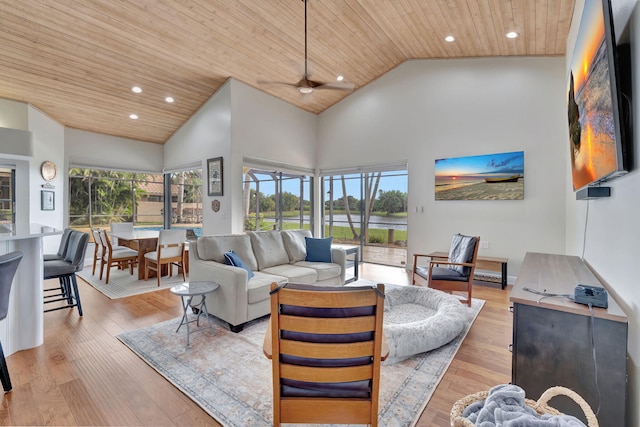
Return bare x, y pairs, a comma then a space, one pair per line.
123, 284
229, 377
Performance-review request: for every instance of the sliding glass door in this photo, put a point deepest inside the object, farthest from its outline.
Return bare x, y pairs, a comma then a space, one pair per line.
368, 209
276, 200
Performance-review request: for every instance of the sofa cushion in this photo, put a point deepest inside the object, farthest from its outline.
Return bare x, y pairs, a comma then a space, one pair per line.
318, 250
324, 270
232, 258
268, 248
294, 273
294, 243
213, 248
259, 286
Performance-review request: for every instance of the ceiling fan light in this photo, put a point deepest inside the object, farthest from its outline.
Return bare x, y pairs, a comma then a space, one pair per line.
305, 90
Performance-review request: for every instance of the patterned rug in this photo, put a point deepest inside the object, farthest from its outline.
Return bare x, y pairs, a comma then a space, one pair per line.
122, 284
229, 377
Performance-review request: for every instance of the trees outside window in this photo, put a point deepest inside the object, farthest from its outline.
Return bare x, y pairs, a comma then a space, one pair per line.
368, 209
99, 197
276, 200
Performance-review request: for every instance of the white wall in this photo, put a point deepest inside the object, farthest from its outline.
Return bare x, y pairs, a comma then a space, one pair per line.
610, 244
429, 109
264, 127
48, 143
111, 152
205, 135
239, 121
13, 114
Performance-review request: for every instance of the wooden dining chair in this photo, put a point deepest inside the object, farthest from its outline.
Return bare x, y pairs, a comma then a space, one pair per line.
97, 248
325, 345
126, 227
123, 257
170, 251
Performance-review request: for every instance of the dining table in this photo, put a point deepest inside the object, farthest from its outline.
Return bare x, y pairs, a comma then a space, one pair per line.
142, 241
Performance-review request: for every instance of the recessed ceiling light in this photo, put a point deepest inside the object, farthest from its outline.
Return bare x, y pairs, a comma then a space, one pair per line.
136, 89
133, 116
511, 35
340, 78
169, 99
449, 39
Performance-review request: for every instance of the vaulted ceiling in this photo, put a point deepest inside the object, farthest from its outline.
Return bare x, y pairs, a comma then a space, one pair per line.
76, 60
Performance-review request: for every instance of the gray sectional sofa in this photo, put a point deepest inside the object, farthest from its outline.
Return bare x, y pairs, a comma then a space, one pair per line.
269, 256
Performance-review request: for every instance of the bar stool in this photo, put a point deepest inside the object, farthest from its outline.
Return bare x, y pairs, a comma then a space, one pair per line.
65, 271
8, 266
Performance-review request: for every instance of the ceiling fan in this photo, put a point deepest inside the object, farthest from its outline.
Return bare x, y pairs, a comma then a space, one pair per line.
305, 85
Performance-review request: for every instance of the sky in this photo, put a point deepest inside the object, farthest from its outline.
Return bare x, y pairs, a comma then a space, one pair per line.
506, 163
389, 181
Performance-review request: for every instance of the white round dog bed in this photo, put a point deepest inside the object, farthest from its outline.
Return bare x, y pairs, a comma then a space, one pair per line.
418, 319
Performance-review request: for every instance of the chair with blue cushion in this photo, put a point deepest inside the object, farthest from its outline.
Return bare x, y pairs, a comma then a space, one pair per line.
8, 267
65, 271
326, 344
455, 274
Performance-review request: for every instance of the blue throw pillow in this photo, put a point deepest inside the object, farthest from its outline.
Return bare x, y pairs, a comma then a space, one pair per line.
318, 250
232, 258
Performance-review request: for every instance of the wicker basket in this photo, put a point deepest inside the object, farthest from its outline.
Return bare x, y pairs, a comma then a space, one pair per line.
541, 406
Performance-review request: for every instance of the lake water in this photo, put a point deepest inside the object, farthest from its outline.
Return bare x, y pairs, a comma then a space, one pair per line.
379, 222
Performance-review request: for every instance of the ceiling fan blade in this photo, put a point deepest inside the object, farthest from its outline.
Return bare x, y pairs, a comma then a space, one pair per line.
336, 86
262, 82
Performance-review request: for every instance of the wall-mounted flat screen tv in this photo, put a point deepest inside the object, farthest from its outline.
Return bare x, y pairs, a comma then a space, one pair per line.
598, 100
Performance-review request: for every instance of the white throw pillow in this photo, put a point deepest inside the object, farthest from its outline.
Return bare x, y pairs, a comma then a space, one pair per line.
214, 247
294, 243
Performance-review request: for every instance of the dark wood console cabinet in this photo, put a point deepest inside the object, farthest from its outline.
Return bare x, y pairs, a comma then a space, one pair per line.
552, 339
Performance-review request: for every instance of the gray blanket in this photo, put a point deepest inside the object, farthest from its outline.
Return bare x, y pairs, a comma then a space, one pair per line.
505, 407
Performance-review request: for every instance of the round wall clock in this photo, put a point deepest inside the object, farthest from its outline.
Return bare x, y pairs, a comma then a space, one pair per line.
48, 170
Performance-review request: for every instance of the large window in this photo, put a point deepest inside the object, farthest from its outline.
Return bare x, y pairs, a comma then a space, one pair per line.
99, 197
368, 209
7, 195
276, 200
186, 199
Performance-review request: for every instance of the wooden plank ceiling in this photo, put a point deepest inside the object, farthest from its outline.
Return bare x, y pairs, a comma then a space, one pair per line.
76, 60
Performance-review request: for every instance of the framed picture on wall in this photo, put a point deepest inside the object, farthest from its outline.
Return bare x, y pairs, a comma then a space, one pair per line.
214, 174
47, 200
497, 176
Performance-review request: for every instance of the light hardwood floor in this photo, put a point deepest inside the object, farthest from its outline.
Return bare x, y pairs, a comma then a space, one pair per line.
82, 374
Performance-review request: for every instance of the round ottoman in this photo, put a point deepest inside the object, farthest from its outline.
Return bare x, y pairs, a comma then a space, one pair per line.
418, 319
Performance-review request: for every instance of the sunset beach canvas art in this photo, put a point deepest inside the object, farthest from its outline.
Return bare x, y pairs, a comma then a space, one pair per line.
486, 177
